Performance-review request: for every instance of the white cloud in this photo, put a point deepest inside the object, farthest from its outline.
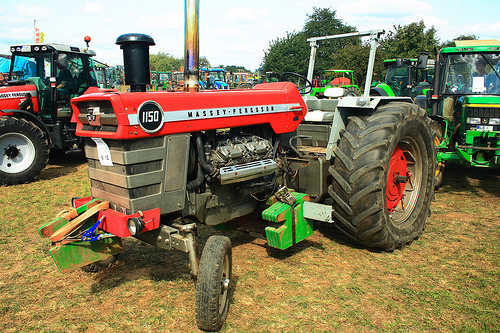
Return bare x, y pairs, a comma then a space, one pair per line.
33, 11
93, 7
484, 30
383, 7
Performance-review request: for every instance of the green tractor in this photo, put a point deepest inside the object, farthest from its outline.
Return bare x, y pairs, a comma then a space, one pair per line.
406, 77
465, 102
336, 78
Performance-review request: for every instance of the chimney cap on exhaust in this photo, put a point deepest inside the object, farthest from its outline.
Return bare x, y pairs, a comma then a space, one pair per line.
135, 38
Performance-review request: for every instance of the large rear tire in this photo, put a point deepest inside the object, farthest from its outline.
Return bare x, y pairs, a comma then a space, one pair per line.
383, 176
212, 286
24, 151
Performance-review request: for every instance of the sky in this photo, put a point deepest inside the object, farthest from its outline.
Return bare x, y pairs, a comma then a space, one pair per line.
232, 32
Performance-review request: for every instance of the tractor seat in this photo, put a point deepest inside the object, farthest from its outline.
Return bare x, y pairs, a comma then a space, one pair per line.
321, 110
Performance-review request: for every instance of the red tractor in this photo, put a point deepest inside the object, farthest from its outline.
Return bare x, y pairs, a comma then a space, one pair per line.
35, 110
161, 162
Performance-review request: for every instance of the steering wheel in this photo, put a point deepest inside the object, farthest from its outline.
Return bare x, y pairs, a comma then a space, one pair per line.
304, 90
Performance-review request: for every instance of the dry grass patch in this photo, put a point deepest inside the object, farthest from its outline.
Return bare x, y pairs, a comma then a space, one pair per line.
446, 281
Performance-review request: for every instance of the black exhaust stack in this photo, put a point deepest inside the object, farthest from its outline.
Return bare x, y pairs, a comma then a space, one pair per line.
136, 60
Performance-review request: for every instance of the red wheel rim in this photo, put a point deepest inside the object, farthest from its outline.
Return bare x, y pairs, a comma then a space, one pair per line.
396, 185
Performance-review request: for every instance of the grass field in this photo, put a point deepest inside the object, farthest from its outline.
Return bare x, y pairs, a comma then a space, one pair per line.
446, 281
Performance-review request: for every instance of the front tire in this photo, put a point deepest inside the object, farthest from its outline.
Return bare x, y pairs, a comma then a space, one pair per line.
440, 166
212, 287
24, 151
383, 176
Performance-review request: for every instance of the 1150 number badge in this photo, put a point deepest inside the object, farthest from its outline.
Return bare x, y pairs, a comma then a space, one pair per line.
150, 116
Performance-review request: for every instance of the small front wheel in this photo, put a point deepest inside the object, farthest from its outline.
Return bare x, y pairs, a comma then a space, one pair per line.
212, 287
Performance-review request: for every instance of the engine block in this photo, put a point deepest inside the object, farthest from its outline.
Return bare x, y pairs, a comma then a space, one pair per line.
239, 150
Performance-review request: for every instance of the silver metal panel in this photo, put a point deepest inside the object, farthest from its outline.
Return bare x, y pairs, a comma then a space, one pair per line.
176, 162
318, 212
240, 172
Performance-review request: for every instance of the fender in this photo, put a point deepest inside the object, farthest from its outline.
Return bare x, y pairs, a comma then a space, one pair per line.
381, 90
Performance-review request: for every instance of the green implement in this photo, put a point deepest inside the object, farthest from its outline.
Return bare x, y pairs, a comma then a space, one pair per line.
71, 247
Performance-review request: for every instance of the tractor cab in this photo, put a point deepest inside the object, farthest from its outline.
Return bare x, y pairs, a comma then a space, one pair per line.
56, 74
407, 77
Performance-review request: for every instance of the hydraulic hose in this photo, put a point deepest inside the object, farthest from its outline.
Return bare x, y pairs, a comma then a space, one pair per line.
195, 183
201, 157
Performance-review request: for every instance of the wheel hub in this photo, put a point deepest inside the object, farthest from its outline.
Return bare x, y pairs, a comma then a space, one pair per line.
225, 285
11, 151
397, 178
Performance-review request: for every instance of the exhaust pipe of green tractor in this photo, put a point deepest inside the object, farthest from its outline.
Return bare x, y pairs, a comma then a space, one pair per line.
191, 45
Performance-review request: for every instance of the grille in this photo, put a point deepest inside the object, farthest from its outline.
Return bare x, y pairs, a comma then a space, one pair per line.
484, 113
146, 173
107, 118
480, 112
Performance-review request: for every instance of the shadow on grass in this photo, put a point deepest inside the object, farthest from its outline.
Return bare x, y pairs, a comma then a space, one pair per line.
457, 178
61, 164
140, 261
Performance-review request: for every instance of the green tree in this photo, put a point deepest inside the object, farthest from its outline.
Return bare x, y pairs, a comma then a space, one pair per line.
323, 22
291, 53
451, 43
164, 62
203, 62
409, 40
355, 57
233, 68
287, 54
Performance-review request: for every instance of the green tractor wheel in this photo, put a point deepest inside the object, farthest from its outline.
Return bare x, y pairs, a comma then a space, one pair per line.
440, 166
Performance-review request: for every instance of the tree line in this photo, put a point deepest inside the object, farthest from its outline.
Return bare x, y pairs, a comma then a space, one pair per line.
290, 53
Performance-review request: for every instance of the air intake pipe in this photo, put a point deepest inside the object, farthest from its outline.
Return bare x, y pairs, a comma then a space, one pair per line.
136, 60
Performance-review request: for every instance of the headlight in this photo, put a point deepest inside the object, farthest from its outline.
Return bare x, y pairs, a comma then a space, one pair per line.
135, 225
494, 121
475, 121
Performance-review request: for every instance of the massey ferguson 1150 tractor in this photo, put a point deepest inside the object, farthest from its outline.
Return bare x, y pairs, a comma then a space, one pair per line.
161, 162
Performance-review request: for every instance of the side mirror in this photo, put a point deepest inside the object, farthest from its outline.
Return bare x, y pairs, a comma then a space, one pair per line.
62, 61
422, 61
399, 62
334, 92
